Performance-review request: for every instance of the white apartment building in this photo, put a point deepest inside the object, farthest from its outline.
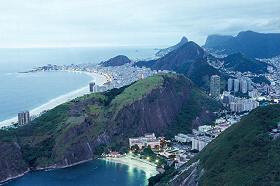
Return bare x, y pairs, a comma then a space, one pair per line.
145, 141
199, 142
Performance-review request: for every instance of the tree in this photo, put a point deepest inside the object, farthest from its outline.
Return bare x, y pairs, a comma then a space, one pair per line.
135, 148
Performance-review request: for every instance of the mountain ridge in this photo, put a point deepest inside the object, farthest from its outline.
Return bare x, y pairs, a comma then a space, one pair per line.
250, 43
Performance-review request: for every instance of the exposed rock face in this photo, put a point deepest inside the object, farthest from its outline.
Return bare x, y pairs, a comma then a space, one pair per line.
116, 61
11, 161
155, 112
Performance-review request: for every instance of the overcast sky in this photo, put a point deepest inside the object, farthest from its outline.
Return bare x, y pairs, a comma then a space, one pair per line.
58, 23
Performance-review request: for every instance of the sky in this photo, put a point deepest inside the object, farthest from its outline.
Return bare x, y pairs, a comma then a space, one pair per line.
157, 23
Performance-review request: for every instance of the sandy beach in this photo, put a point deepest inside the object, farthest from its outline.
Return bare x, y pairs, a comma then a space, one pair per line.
133, 162
96, 77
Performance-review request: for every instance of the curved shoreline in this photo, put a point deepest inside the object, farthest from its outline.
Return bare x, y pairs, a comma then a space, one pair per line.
149, 168
96, 77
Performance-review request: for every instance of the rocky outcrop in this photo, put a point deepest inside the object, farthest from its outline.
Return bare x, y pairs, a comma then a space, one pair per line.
12, 163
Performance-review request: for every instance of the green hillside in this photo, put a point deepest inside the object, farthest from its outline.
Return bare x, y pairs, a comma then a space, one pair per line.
245, 154
95, 123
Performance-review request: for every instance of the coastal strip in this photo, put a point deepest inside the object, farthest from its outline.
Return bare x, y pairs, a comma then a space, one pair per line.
96, 77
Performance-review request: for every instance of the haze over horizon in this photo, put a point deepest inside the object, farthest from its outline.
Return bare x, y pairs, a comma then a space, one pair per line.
71, 23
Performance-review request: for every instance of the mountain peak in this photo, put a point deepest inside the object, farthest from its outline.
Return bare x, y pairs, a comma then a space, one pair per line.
165, 51
184, 40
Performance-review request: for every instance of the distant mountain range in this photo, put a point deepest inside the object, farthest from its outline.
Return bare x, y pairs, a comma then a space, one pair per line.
245, 154
251, 44
189, 59
163, 52
116, 61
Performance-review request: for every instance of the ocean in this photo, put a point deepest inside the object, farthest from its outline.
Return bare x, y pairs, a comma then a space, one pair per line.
93, 173
21, 91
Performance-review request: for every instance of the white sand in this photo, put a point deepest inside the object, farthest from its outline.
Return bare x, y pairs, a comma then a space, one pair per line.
149, 168
96, 77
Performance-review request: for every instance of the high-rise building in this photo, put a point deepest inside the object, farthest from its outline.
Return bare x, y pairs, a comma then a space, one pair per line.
236, 85
215, 86
249, 82
230, 84
243, 86
23, 118
91, 86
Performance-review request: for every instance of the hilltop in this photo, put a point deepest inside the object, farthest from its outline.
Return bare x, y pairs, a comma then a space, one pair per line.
189, 59
85, 127
251, 44
116, 61
245, 154
238, 62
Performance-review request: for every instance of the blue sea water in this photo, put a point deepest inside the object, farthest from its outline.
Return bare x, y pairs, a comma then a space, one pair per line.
26, 91
94, 173
20, 92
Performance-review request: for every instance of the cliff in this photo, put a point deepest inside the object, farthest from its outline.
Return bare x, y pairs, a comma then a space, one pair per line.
79, 130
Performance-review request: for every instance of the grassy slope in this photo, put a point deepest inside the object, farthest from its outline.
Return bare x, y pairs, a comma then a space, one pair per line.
47, 131
245, 154
136, 91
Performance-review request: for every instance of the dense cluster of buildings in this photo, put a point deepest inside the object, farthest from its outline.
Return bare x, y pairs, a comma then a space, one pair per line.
243, 85
120, 76
234, 103
273, 90
237, 104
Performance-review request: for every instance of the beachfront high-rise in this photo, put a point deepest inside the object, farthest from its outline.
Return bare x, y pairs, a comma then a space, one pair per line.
23, 118
215, 86
91, 86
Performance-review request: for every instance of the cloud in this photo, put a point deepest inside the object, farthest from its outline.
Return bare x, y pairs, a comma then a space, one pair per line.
124, 22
